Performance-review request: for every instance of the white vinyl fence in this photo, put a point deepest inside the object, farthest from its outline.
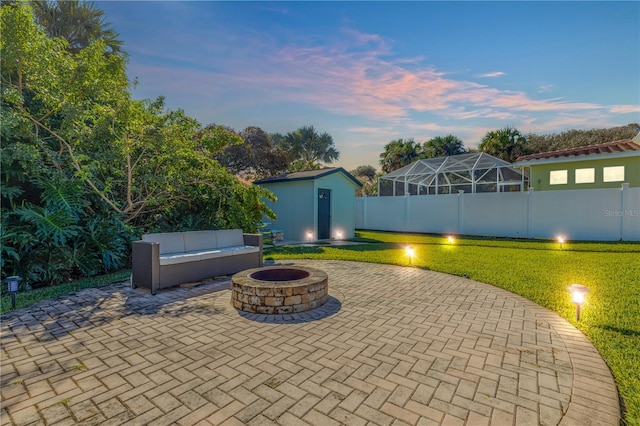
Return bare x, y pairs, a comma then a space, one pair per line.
587, 214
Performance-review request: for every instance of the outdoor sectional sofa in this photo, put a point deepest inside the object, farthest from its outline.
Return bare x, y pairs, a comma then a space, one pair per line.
168, 259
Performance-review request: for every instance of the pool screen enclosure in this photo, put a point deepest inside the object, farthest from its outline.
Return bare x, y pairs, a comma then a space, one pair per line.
471, 173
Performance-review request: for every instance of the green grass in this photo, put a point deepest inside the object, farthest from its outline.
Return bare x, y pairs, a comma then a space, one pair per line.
28, 298
537, 270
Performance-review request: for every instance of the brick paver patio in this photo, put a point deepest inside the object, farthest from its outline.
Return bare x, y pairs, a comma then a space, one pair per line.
393, 345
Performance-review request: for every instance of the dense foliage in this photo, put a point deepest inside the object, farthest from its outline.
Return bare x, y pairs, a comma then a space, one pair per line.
305, 148
86, 168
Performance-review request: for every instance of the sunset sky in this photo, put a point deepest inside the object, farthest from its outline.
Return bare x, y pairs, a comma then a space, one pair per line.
371, 72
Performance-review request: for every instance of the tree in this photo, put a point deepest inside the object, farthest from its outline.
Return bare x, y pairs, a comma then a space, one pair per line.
81, 23
507, 144
443, 146
399, 153
84, 167
254, 157
368, 176
306, 148
574, 138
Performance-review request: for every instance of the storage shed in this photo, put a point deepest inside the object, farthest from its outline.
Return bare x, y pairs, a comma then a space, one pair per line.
605, 165
313, 205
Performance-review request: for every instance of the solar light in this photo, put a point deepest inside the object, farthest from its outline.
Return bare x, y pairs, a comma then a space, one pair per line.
560, 241
309, 236
410, 252
451, 239
12, 286
577, 295
338, 235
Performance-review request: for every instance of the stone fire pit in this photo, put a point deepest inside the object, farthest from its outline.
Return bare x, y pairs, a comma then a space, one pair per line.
279, 289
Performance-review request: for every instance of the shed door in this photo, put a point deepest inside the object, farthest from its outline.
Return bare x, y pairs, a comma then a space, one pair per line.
324, 214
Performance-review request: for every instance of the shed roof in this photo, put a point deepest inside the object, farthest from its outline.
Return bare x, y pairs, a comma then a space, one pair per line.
624, 145
308, 175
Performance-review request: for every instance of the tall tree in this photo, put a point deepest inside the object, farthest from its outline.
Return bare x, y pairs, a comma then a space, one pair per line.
507, 144
254, 157
443, 146
83, 165
81, 23
574, 138
399, 153
307, 149
368, 176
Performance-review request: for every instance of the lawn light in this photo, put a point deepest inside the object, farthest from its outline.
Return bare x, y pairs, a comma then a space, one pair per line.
310, 236
451, 239
410, 252
560, 241
338, 235
577, 295
12, 287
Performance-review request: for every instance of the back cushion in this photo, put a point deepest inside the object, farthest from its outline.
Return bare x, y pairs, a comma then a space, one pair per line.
170, 242
230, 238
200, 240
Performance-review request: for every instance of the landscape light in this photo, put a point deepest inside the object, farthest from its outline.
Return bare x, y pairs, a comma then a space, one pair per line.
577, 295
451, 239
338, 235
561, 241
12, 286
410, 252
310, 236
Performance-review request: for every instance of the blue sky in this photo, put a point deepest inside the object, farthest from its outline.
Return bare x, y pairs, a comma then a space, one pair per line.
371, 72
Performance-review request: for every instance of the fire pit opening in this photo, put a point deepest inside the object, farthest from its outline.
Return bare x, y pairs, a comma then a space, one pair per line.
279, 290
279, 274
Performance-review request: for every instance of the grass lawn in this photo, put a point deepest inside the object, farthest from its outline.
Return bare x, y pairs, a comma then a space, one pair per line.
540, 271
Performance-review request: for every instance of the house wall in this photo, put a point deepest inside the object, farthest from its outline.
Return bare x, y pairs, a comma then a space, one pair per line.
343, 193
295, 209
539, 174
297, 206
606, 214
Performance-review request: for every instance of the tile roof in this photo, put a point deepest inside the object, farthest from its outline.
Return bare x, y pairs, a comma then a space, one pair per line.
601, 148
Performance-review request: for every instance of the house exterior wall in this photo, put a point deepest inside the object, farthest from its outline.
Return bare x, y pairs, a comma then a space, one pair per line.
539, 177
343, 193
297, 206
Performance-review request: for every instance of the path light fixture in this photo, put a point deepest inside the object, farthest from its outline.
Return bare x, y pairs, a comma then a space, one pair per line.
451, 239
12, 286
577, 295
310, 236
560, 241
410, 252
338, 235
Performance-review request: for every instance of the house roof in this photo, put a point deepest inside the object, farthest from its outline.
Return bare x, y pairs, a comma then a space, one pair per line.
624, 145
308, 175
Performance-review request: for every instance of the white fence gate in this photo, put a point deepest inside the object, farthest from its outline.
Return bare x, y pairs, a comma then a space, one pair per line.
587, 214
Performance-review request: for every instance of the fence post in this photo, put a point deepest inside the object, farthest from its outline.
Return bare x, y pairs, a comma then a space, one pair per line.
530, 212
624, 209
460, 212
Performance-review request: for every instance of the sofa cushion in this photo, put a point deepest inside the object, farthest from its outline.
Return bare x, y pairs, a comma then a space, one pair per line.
175, 258
170, 242
230, 238
200, 240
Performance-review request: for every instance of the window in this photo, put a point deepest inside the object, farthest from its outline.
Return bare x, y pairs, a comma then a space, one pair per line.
558, 177
613, 174
585, 175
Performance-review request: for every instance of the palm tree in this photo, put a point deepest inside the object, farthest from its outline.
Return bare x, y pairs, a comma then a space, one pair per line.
399, 153
443, 146
307, 148
507, 144
79, 22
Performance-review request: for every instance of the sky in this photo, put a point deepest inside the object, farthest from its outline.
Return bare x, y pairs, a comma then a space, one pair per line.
372, 72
